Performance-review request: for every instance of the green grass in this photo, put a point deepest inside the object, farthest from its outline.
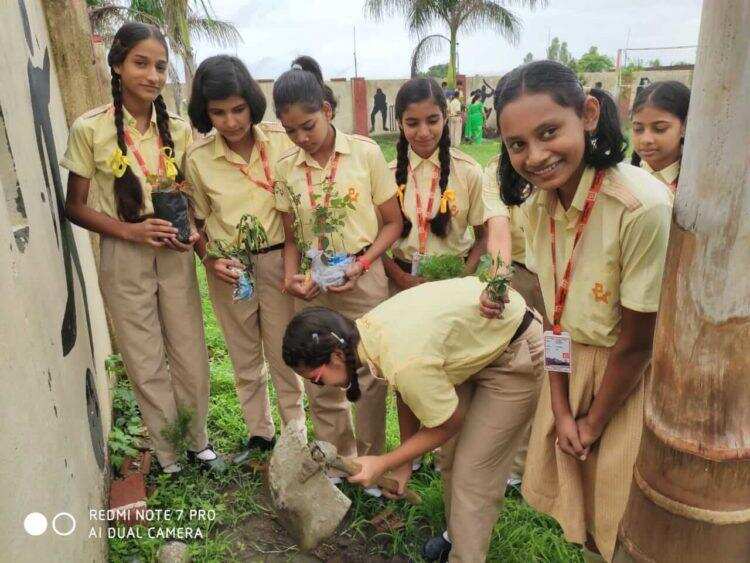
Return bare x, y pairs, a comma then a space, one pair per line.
521, 535
481, 152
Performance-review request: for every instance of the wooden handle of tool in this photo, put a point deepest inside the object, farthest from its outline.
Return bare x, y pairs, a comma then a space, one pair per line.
387, 483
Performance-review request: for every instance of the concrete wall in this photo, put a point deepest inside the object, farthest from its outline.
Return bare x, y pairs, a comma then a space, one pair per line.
54, 396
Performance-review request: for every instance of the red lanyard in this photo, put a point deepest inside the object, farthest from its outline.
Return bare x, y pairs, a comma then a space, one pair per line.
423, 217
673, 185
139, 157
561, 291
266, 184
331, 178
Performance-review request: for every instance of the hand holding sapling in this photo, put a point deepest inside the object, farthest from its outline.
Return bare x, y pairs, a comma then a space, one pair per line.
495, 295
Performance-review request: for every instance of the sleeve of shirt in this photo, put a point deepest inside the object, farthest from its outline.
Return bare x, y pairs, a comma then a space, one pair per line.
528, 246
196, 190
493, 205
425, 388
477, 213
79, 156
643, 247
281, 189
382, 180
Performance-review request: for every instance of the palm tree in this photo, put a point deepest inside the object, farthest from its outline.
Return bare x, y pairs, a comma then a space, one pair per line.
456, 15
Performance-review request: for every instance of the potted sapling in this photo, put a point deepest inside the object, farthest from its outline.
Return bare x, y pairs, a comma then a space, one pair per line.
169, 200
494, 273
435, 267
249, 239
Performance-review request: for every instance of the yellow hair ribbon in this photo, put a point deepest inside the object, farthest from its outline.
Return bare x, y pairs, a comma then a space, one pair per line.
448, 196
400, 193
118, 162
170, 166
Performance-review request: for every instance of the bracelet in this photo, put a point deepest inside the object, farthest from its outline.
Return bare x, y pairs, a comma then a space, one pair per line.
364, 262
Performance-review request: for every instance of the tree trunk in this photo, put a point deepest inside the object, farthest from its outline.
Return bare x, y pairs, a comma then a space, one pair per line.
450, 77
690, 496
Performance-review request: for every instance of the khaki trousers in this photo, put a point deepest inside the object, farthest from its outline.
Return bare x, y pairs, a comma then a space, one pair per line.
526, 283
152, 297
329, 408
455, 126
500, 401
253, 329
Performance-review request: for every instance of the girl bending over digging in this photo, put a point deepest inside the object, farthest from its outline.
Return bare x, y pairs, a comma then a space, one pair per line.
596, 233
463, 382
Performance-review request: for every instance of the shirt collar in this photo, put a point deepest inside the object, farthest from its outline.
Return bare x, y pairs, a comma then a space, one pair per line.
666, 175
549, 200
415, 160
129, 120
222, 150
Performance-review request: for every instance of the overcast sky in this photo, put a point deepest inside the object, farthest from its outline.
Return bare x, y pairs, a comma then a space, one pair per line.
275, 31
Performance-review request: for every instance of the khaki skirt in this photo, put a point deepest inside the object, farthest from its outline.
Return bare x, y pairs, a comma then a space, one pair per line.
591, 495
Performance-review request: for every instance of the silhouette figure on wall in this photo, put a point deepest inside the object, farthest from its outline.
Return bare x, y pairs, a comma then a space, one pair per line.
379, 105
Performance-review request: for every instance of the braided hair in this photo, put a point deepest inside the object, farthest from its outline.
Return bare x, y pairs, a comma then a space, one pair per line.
314, 334
414, 91
128, 189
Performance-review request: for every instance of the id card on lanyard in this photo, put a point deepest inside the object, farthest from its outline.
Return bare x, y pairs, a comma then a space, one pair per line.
423, 218
557, 343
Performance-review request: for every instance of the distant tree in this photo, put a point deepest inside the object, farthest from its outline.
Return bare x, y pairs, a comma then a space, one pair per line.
654, 63
558, 51
594, 61
438, 71
553, 50
528, 58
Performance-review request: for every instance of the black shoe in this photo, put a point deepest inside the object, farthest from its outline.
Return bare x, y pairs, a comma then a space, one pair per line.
385, 129
255, 443
216, 465
436, 549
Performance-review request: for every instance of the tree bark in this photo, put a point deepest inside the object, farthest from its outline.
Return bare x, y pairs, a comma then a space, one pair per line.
451, 72
690, 496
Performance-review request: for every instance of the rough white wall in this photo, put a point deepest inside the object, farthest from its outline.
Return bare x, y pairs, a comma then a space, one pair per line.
54, 395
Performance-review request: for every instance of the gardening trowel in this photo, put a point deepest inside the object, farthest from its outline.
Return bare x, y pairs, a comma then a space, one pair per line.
307, 502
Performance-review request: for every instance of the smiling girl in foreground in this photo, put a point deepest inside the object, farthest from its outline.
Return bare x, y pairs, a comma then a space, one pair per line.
147, 276
659, 120
596, 232
355, 166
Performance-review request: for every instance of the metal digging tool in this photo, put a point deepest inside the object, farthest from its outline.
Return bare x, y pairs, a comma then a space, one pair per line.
307, 503
310, 509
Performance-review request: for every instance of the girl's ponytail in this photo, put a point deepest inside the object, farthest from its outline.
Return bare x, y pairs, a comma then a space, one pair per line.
402, 177
514, 188
128, 190
311, 65
302, 84
439, 223
606, 146
162, 124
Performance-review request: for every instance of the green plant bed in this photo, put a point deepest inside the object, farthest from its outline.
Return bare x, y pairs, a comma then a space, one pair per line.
441, 267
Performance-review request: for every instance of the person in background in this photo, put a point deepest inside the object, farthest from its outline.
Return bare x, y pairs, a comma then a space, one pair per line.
379, 105
455, 121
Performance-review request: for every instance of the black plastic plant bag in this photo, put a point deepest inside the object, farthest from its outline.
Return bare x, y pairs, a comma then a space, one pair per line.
172, 206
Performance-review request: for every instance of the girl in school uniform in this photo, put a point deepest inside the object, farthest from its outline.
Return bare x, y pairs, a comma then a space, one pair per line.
463, 382
355, 166
596, 233
147, 276
440, 187
230, 174
659, 118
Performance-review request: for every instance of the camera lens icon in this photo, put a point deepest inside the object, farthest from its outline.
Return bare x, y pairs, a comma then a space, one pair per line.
36, 524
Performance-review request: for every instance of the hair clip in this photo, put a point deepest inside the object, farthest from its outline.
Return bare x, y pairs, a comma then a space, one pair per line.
297, 66
315, 338
337, 337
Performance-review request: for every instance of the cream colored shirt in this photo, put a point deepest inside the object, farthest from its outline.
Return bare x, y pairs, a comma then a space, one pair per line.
621, 254
493, 202
454, 108
93, 140
467, 210
668, 175
362, 172
427, 340
222, 193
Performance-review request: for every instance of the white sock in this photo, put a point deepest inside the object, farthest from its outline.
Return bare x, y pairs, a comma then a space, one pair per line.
334, 479
445, 536
172, 468
374, 492
206, 455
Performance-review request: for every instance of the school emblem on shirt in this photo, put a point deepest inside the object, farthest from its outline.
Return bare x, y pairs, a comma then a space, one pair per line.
600, 296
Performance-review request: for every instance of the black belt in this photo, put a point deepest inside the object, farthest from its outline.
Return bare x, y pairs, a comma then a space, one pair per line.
518, 265
269, 248
528, 317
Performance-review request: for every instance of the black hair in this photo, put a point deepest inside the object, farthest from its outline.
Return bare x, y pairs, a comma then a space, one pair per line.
411, 92
314, 334
670, 96
302, 84
218, 78
603, 149
128, 189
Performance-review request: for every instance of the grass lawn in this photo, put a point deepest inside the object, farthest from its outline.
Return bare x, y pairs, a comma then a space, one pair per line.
242, 527
482, 152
